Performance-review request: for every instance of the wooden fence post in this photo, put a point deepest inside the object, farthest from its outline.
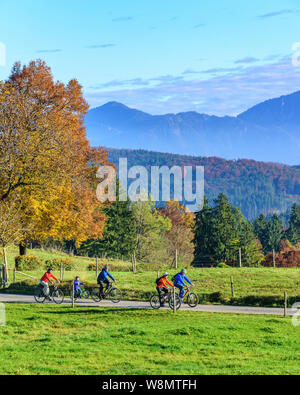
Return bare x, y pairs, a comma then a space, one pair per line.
174, 300
15, 273
61, 272
97, 267
232, 286
73, 296
274, 259
4, 278
285, 304
240, 257
133, 263
176, 259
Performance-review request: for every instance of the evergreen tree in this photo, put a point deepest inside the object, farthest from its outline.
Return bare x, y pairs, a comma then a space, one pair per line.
224, 227
273, 234
203, 249
119, 232
260, 230
293, 232
251, 249
220, 231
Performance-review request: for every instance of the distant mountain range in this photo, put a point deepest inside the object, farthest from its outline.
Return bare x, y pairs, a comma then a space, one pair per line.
268, 132
254, 187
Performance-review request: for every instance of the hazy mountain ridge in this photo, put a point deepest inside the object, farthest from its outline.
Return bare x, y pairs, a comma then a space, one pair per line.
269, 131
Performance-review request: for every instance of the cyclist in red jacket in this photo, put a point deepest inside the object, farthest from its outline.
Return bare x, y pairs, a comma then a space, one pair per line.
46, 279
162, 287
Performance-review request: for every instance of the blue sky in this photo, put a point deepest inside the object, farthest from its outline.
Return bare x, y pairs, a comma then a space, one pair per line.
218, 57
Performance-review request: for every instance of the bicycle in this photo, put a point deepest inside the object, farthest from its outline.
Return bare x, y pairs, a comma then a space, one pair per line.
84, 294
55, 294
114, 294
155, 302
192, 299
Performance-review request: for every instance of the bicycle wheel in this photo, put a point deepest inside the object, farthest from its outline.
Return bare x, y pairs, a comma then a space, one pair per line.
85, 294
39, 295
155, 302
58, 296
95, 294
177, 301
115, 295
193, 300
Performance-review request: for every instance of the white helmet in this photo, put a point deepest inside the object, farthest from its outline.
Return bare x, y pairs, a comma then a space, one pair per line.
165, 274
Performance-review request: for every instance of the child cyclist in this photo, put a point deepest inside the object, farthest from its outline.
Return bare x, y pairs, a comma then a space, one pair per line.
179, 282
103, 279
162, 287
45, 281
77, 287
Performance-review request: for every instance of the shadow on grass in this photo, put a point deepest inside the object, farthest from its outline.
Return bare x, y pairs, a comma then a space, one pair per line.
249, 301
82, 310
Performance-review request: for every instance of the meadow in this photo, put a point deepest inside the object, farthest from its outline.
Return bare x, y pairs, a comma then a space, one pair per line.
127, 342
95, 340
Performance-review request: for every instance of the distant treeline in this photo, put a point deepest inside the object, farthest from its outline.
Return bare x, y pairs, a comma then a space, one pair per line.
214, 235
221, 233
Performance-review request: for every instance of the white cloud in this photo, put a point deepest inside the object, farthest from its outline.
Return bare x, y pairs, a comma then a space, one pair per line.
226, 91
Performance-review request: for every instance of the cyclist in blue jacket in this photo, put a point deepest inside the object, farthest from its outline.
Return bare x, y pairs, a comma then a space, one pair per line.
179, 282
103, 279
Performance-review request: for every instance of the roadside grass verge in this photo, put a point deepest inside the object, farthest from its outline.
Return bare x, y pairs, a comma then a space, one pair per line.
56, 340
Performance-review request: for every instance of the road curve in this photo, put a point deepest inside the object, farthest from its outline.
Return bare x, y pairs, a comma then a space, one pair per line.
8, 298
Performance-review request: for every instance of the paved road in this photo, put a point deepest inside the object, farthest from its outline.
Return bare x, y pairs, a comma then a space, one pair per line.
6, 298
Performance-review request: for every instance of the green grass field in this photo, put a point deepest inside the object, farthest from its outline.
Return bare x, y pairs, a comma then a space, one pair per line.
253, 286
49, 339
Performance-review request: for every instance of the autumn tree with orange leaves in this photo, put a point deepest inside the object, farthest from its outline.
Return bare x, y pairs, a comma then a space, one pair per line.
180, 236
45, 157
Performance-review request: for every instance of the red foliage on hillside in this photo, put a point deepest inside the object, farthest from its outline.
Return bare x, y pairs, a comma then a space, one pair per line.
288, 256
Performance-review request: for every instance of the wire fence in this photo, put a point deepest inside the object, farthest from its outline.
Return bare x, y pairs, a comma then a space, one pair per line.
96, 264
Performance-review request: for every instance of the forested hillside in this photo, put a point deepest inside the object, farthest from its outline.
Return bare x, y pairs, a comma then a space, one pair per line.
254, 187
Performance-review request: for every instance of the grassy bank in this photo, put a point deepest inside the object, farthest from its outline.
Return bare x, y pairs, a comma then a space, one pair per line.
102, 341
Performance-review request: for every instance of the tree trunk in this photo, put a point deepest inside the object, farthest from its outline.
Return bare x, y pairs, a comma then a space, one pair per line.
22, 249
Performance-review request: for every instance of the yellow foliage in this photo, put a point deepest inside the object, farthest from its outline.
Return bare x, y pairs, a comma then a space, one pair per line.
45, 157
